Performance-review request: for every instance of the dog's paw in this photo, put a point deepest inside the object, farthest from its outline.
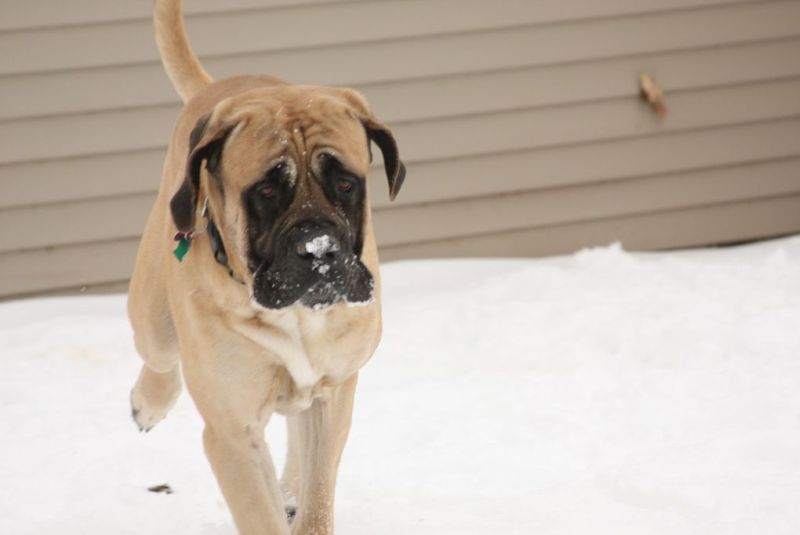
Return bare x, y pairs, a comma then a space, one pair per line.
153, 396
145, 422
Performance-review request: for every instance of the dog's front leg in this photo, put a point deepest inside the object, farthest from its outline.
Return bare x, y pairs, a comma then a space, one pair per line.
243, 467
320, 434
236, 403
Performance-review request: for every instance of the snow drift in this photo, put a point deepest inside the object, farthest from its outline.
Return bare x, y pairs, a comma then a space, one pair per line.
603, 392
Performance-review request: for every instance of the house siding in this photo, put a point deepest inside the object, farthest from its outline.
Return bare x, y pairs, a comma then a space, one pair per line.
519, 121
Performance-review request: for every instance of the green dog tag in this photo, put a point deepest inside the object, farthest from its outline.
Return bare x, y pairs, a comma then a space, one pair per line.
182, 248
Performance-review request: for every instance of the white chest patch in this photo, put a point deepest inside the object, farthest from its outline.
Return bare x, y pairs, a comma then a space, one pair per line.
287, 339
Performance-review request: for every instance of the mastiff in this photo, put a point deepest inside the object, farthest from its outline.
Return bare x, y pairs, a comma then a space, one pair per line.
256, 280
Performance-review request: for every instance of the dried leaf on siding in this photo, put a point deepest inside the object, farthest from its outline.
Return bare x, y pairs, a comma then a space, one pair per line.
652, 94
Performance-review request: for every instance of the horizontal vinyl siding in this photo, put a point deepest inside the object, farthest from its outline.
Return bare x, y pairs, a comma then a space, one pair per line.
656, 193
109, 217
449, 137
489, 133
87, 176
402, 59
715, 224
477, 175
327, 24
54, 268
517, 120
120, 217
18, 15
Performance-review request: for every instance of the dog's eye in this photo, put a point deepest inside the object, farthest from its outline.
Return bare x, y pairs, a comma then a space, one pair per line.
267, 191
345, 186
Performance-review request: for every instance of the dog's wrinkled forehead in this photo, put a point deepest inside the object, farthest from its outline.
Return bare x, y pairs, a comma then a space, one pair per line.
294, 124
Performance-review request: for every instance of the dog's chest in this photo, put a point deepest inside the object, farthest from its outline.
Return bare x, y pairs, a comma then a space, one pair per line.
316, 350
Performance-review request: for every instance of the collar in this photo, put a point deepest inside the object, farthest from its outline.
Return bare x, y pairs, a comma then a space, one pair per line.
184, 240
218, 248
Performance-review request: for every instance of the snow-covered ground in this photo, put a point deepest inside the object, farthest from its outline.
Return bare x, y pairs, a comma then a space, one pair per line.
600, 393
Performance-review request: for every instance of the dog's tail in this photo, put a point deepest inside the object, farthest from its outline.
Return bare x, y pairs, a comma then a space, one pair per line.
182, 66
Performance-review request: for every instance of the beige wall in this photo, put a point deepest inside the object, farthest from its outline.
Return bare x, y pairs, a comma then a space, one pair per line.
518, 119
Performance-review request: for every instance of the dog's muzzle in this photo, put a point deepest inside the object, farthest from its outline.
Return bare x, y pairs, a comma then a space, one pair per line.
314, 265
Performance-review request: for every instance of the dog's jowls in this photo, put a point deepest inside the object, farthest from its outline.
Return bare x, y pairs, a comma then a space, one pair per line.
275, 304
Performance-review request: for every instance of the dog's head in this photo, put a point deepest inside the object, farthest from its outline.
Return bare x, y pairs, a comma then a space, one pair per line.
286, 186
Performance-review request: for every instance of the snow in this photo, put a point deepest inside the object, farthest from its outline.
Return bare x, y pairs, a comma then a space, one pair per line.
321, 245
603, 393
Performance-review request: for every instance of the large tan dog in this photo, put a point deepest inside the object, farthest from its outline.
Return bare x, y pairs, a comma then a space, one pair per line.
275, 304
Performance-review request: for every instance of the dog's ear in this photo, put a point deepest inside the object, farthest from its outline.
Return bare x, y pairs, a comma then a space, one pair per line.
383, 138
205, 144
380, 134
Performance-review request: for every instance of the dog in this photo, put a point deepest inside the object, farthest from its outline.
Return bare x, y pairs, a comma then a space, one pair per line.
257, 280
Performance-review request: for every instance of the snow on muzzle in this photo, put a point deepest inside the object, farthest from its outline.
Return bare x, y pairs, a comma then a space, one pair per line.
313, 267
